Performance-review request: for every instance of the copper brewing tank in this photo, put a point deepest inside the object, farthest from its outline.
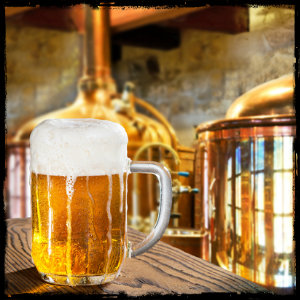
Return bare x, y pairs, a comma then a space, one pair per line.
97, 98
96, 93
245, 173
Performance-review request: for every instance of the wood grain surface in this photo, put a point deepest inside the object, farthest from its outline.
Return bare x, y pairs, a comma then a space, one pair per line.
162, 270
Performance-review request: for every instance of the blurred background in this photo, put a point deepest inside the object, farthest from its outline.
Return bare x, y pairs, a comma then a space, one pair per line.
207, 91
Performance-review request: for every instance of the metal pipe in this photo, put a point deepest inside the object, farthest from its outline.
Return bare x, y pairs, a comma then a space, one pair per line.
97, 43
160, 118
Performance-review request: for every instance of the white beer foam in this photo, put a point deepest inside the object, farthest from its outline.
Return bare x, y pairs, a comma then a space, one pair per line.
78, 147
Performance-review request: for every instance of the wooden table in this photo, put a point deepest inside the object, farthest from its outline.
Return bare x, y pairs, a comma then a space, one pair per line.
162, 270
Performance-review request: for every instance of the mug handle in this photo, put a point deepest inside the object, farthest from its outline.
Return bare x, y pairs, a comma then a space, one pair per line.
164, 178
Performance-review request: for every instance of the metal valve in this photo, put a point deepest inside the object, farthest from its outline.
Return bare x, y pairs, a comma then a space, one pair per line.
181, 173
177, 188
188, 189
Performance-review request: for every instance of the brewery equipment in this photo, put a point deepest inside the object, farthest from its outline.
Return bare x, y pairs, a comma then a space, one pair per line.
96, 93
181, 231
244, 171
97, 98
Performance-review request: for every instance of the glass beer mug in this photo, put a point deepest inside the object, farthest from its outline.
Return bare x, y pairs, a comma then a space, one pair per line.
79, 170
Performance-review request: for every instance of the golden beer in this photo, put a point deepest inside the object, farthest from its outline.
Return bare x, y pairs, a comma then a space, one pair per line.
79, 170
74, 233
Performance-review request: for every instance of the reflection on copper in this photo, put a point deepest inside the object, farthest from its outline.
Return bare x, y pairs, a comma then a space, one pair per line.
251, 207
280, 91
246, 176
271, 98
17, 187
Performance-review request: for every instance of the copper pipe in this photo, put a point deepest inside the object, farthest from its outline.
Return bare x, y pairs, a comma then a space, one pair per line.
96, 85
102, 25
97, 43
158, 144
160, 118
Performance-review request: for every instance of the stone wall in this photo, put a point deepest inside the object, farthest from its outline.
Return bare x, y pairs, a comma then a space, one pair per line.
192, 84
198, 81
43, 67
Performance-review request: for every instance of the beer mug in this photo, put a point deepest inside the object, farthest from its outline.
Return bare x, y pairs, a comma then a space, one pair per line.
79, 170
